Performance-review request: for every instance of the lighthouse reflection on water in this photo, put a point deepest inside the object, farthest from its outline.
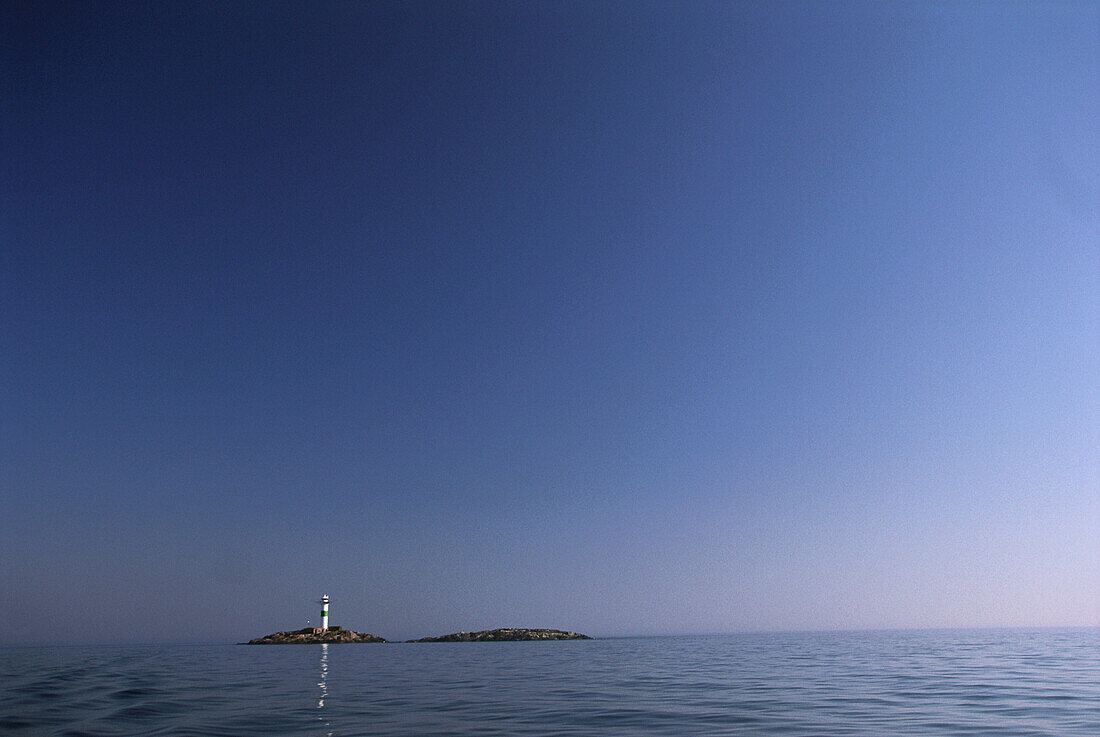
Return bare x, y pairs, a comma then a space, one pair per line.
323, 685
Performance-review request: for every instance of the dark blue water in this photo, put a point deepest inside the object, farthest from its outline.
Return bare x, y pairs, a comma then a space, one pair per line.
1003, 683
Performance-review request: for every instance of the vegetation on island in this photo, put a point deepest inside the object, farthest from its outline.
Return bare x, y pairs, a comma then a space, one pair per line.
315, 636
506, 634
338, 635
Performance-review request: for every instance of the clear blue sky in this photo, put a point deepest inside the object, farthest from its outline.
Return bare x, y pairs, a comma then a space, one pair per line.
621, 318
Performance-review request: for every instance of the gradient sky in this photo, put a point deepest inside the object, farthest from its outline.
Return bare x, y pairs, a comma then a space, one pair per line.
621, 318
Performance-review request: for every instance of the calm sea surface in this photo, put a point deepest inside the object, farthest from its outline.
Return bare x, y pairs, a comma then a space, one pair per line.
976, 682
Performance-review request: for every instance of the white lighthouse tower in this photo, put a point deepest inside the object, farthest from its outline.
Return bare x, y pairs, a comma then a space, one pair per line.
324, 612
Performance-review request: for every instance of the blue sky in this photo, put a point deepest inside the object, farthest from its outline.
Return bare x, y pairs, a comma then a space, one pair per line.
622, 318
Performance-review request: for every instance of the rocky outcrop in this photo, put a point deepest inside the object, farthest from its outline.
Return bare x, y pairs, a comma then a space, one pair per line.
314, 636
506, 634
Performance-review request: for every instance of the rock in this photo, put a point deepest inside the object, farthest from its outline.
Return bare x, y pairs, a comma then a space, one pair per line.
505, 634
314, 636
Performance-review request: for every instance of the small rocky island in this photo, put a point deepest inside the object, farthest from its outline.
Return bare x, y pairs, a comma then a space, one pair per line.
324, 634
505, 634
315, 636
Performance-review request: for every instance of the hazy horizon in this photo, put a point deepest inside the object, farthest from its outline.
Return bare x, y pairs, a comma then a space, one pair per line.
411, 640
621, 318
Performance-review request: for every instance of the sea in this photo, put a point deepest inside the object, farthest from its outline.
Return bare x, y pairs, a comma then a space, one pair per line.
1001, 683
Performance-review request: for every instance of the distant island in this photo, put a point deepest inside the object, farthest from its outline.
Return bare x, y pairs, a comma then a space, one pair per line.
315, 636
505, 634
338, 635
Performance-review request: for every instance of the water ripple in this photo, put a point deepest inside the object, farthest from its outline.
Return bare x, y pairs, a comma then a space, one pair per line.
1003, 683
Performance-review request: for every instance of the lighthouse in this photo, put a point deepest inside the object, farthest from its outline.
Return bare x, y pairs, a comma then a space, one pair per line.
324, 612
